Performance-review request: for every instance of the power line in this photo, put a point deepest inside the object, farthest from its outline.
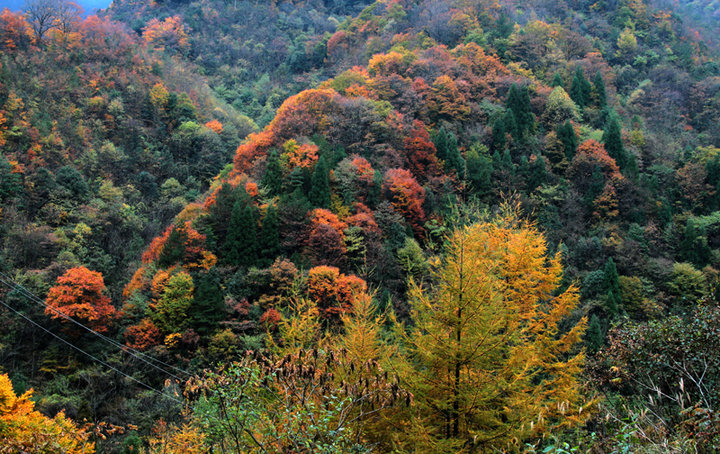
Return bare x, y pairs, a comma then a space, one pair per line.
89, 354
10, 283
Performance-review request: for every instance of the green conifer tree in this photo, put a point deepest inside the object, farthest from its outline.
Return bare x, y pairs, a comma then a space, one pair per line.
272, 180
580, 90
557, 81
319, 194
594, 336
612, 138
209, 305
499, 141
270, 234
599, 89
241, 246
566, 134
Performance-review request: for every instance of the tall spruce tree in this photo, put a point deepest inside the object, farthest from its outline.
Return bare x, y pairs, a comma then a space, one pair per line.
241, 246
557, 81
272, 180
319, 195
612, 138
567, 137
518, 101
599, 89
499, 141
580, 90
270, 234
208, 305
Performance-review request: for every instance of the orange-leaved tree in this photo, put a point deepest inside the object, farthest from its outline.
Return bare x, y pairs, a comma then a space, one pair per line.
24, 429
488, 360
80, 294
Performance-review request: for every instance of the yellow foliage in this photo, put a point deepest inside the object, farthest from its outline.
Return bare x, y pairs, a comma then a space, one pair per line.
489, 365
23, 429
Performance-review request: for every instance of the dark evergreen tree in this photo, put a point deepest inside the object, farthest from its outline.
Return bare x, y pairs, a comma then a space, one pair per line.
566, 135
694, 246
241, 246
580, 90
611, 282
270, 234
173, 250
219, 212
499, 141
446, 147
612, 138
479, 171
319, 195
612, 304
557, 81
599, 89
10, 183
272, 180
208, 307
510, 125
594, 336
538, 173
518, 101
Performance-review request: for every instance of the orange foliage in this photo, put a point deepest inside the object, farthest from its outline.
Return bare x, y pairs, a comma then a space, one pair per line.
170, 32
138, 283
14, 30
142, 336
323, 216
215, 126
407, 196
390, 63
593, 152
79, 293
420, 152
25, 429
252, 189
304, 156
447, 102
333, 291
153, 251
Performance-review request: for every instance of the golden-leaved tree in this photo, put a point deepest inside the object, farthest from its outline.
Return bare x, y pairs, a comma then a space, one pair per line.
24, 429
485, 355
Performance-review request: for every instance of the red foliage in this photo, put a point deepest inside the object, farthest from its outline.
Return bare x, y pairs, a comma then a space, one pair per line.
271, 318
142, 336
79, 294
591, 153
407, 196
420, 152
15, 32
333, 292
139, 282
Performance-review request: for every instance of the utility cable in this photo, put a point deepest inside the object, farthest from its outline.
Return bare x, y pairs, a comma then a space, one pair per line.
10, 283
145, 385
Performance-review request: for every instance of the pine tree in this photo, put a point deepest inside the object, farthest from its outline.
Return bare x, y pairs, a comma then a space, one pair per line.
566, 135
594, 336
447, 149
270, 234
599, 89
479, 169
510, 125
487, 357
209, 306
241, 247
612, 138
538, 173
272, 180
518, 101
557, 81
499, 141
612, 304
611, 283
319, 195
580, 90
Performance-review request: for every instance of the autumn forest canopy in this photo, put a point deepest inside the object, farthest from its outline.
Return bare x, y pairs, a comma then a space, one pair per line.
347, 226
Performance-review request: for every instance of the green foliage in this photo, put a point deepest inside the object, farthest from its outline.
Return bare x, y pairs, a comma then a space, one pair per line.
594, 336
241, 245
319, 195
170, 312
612, 139
272, 180
209, 305
567, 137
580, 90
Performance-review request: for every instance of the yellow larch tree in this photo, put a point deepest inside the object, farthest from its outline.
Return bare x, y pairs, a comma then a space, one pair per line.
484, 353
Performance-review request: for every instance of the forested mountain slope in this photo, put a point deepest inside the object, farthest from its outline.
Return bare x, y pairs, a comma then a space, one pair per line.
331, 245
